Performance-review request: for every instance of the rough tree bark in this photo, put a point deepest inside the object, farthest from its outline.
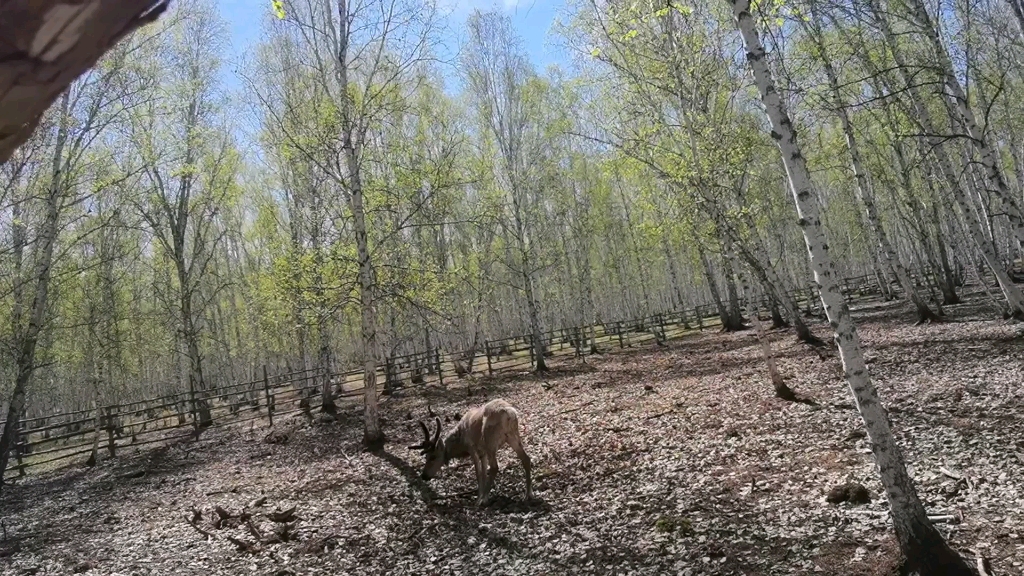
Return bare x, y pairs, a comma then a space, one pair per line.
925, 551
47, 45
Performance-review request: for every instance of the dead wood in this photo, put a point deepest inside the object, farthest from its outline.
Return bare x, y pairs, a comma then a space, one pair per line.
282, 516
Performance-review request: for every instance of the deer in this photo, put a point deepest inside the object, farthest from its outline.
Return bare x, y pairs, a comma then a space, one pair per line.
479, 434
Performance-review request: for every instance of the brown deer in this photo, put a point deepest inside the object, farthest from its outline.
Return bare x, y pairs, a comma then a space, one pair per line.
478, 435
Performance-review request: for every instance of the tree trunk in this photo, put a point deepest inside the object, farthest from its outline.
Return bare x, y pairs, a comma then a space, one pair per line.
777, 320
28, 335
771, 280
677, 289
864, 192
352, 139
782, 390
535, 331
74, 37
948, 283
709, 275
925, 551
373, 435
327, 405
735, 312
935, 142
323, 333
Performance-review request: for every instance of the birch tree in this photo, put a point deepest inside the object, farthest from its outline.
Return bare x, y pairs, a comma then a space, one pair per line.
189, 164
499, 79
925, 551
863, 186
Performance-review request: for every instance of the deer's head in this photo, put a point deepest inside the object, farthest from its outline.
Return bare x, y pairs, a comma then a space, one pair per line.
432, 448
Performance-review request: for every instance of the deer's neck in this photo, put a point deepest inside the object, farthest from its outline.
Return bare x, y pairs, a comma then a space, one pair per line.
455, 446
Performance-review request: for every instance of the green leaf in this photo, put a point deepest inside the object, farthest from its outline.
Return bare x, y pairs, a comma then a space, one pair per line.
278, 7
595, 52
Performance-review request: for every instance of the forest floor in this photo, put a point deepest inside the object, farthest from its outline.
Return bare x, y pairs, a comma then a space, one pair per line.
652, 460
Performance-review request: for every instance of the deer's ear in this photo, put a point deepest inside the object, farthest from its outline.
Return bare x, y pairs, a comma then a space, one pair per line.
426, 433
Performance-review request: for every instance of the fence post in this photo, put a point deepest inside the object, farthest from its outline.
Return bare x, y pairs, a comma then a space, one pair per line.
618, 331
270, 399
487, 352
192, 401
388, 375
94, 458
533, 359
440, 369
19, 446
110, 410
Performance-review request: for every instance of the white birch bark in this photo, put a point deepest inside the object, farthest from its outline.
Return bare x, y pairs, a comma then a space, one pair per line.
863, 188
958, 98
920, 542
1014, 296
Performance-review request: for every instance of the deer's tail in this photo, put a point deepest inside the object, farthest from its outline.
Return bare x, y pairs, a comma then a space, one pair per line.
522, 421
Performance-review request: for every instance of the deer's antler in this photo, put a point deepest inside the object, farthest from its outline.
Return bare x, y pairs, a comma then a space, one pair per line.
427, 442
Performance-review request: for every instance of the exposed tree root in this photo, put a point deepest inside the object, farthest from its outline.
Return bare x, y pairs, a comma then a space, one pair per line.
804, 334
784, 392
374, 443
926, 316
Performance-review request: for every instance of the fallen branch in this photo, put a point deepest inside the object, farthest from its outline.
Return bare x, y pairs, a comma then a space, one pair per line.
952, 475
659, 415
576, 408
232, 490
283, 517
984, 566
243, 546
254, 530
200, 530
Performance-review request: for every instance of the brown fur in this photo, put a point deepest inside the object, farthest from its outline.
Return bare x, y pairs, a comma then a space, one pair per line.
479, 435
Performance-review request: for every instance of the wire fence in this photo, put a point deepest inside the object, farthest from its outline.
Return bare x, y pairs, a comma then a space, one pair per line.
48, 442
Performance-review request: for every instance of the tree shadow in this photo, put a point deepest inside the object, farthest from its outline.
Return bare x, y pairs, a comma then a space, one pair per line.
503, 504
411, 475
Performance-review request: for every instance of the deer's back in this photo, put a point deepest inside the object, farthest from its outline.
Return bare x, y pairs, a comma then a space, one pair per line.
491, 424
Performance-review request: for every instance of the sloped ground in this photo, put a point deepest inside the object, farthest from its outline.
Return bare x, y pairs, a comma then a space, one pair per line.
673, 460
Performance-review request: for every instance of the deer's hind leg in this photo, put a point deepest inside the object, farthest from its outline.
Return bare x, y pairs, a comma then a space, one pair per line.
516, 444
492, 472
481, 478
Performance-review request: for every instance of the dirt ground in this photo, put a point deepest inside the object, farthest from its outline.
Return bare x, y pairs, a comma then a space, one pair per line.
653, 460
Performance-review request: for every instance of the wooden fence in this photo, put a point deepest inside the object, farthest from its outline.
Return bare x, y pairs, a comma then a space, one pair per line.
63, 439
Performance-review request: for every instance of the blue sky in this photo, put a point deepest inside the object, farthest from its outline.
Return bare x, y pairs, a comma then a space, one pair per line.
533, 20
